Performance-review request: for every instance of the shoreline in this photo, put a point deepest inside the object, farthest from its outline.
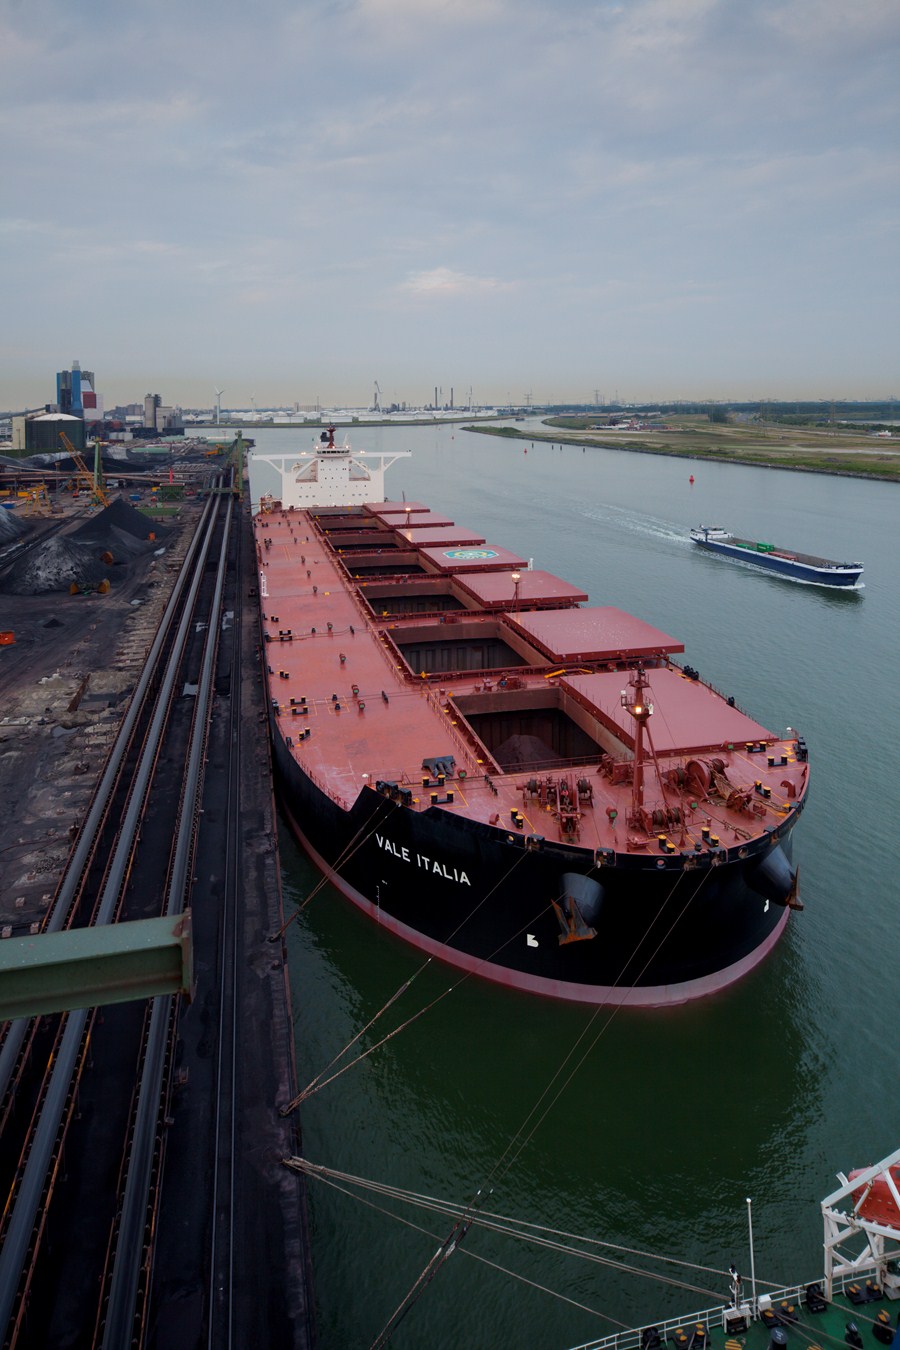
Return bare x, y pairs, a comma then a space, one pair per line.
737, 457
325, 422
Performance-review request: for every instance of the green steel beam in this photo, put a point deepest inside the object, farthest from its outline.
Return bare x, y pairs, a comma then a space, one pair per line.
87, 967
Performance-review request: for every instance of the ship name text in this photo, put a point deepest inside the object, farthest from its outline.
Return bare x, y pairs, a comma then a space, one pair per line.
420, 860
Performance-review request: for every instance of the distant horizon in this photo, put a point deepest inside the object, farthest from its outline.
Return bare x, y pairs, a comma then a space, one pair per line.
258, 408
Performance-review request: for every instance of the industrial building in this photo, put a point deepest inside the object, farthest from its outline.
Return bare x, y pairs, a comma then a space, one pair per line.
76, 394
38, 433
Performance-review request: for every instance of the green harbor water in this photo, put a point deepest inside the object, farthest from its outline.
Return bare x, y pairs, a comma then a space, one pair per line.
645, 1129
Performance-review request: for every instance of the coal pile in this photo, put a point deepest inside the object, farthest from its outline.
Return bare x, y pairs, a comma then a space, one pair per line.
118, 531
11, 526
121, 530
53, 566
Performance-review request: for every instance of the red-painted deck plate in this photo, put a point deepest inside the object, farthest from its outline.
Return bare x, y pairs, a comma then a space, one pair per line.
687, 717
390, 508
595, 633
456, 535
497, 590
421, 520
476, 558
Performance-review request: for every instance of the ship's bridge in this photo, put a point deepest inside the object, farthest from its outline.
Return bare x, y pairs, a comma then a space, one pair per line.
330, 475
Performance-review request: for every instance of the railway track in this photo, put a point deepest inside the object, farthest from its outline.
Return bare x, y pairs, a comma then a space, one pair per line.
84, 1097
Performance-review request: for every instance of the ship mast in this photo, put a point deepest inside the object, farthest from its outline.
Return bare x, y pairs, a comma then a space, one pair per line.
634, 701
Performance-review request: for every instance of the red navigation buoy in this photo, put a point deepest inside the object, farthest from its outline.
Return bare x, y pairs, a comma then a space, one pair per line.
691, 478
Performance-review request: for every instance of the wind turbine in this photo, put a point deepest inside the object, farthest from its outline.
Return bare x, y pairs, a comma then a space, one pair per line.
219, 393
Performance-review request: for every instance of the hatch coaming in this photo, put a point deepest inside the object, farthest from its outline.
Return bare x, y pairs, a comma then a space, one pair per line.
468, 645
539, 727
423, 596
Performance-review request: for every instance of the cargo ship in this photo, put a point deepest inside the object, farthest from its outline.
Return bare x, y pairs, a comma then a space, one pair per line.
852, 1303
785, 562
523, 785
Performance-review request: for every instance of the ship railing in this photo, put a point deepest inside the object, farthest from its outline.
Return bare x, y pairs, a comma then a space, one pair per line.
554, 767
326, 788
715, 1317
473, 753
492, 675
389, 651
364, 609
631, 1339
425, 615
425, 578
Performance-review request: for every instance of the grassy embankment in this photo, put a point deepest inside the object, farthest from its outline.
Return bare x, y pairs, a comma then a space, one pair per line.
770, 445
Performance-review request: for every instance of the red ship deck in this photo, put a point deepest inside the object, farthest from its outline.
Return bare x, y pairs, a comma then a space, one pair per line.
382, 509
497, 590
431, 536
485, 557
595, 634
399, 520
689, 719
369, 718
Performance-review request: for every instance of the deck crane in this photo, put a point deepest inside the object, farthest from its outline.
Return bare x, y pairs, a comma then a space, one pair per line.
83, 475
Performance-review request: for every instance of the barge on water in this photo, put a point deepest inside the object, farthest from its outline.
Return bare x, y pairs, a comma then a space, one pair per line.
525, 786
785, 562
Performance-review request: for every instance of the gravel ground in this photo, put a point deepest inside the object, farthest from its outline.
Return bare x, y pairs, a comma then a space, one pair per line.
64, 686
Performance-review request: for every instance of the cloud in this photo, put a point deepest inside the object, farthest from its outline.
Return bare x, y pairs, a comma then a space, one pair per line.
443, 282
443, 11
829, 23
563, 161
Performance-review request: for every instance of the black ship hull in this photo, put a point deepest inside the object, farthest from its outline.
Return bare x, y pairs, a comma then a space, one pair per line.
648, 930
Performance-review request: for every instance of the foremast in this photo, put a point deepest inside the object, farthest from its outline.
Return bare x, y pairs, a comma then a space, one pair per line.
634, 700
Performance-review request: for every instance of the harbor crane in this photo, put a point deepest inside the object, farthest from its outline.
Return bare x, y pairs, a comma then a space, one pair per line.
376, 406
83, 476
37, 501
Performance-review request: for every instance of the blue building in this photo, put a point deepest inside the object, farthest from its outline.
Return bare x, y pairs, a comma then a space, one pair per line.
68, 389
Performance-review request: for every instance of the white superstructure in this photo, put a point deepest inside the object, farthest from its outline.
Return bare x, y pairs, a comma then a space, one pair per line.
329, 474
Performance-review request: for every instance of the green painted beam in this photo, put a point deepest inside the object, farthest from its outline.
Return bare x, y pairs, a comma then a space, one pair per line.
87, 967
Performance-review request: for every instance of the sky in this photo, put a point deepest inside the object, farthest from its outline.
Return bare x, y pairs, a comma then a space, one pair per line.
632, 199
